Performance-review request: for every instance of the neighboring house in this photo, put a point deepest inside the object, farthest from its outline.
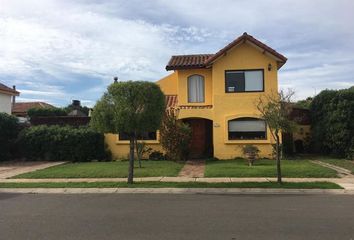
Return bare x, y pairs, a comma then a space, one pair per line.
76, 117
20, 109
216, 94
300, 138
7, 96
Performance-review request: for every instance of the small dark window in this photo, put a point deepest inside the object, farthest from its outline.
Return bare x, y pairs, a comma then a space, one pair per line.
246, 128
244, 81
145, 136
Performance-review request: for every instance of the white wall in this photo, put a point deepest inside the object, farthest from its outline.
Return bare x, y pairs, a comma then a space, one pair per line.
5, 103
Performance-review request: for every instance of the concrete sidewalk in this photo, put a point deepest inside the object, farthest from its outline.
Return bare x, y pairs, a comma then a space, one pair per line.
178, 191
346, 182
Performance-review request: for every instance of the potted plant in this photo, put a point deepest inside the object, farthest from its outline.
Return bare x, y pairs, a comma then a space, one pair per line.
251, 153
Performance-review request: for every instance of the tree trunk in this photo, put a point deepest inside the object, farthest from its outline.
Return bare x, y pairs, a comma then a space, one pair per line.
278, 159
131, 160
137, 152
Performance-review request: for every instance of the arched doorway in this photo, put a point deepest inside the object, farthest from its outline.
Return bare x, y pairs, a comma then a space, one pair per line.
299, 146
201, 145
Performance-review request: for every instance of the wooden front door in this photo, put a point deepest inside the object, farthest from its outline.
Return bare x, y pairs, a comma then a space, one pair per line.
197, 145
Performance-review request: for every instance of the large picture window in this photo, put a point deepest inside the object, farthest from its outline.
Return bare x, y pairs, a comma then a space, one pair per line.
246, 128
244, 81
144, 136
195, 89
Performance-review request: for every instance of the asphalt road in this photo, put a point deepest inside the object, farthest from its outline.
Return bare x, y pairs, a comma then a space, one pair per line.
168, 216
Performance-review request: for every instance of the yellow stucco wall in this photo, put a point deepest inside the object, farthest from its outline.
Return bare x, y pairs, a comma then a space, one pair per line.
169, 84
120, 149
228, 106
225, 106
183, 85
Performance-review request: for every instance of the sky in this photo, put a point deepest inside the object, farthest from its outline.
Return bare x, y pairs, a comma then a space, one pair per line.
57, 51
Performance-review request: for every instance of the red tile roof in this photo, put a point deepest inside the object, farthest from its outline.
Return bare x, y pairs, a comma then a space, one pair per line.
188, 61
171, 101
20, 109
205, 60
5, 89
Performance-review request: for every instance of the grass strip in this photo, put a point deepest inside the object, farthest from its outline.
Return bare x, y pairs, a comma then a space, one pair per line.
267, 168
285, 185
117, 169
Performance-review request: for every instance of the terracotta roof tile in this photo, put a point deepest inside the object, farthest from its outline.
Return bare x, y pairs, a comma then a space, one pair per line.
21, 108
188, 61
171, 101
6, 89
204, 60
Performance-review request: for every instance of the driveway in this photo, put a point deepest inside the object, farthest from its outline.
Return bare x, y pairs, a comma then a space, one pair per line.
13, 168
164, 216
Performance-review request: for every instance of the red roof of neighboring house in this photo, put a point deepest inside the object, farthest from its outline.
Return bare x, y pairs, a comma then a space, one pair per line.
171, 101
5, 89
20, 109
204, 60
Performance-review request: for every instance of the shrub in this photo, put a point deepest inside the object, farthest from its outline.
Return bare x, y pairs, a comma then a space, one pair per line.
8, 132
55, 143
46, 112
175, 136
156, 155
251, 153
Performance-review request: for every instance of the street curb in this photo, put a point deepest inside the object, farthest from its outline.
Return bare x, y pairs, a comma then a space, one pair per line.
231, 191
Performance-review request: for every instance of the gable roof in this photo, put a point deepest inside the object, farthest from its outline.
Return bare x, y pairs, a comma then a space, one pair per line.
5, 89
205, 60
21, 108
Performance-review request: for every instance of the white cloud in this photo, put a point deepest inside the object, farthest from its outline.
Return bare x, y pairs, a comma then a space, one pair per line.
61, 49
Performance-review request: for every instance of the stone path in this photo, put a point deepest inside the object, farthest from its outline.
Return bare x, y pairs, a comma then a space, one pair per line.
193, 169
10, 169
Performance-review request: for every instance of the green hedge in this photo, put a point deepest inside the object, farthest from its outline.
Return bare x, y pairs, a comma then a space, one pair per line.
9, 129
54, 143
332, 113
45, 112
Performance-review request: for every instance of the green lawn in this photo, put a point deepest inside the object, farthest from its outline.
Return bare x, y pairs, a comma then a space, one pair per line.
106, 170
287, 185
266, 168
347, 164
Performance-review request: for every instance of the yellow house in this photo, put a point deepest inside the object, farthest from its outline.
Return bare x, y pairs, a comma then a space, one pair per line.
216, 94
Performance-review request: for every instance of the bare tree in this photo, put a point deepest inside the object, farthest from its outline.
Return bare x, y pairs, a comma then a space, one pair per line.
275, 109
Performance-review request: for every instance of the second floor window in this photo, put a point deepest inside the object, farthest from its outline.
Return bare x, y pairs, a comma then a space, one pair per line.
244, 81
195, 89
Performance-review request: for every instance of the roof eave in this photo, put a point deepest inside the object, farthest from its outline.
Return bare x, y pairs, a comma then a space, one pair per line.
12, 93
168, 68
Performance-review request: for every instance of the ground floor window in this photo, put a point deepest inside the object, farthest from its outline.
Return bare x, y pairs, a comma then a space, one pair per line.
246, 128
144, 136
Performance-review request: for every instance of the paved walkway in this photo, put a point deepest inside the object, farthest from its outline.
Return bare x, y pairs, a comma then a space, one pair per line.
193, 169
10, 169
342, 172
